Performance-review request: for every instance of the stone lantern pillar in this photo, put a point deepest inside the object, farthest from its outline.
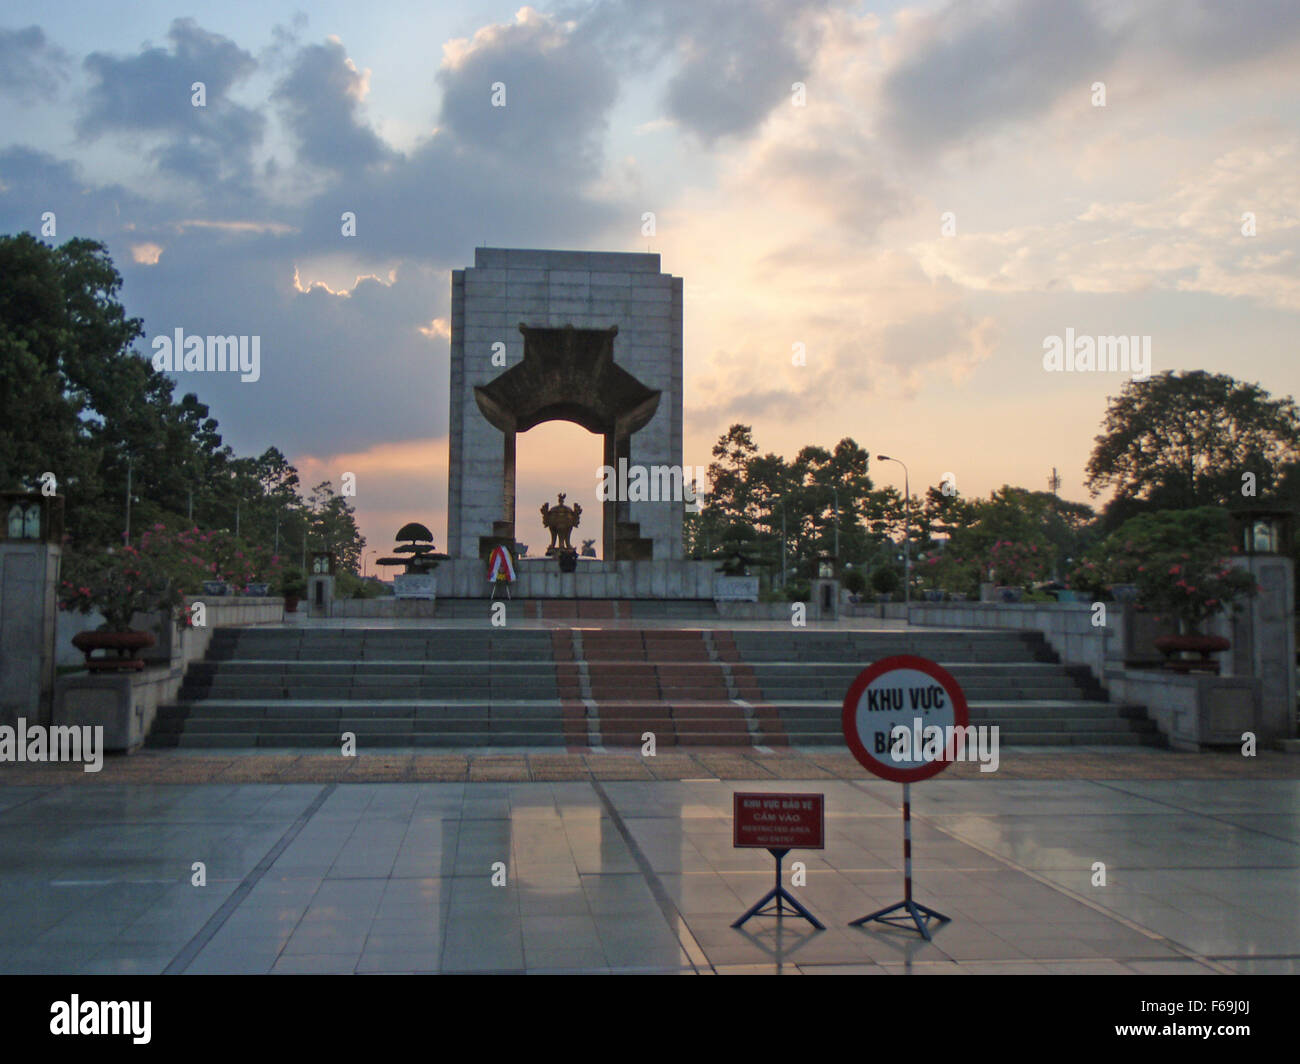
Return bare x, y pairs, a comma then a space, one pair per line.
1263, 630
826, 589
320, 584
31, 534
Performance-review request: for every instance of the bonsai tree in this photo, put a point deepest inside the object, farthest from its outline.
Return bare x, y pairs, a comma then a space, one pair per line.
736, 552
119, 582
885, 581
419, 549
292, 583
1180, 561
855, 583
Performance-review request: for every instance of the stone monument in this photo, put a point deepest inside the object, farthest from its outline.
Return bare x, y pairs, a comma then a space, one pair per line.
594, 338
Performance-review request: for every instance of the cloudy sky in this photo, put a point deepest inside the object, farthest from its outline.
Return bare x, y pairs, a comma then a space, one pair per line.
943, 194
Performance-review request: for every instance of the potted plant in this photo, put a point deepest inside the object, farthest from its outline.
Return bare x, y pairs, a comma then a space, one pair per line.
119, 582
885, 582
855, 583
292, 586
1179, 565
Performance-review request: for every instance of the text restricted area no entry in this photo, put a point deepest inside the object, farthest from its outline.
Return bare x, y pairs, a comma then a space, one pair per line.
779, 821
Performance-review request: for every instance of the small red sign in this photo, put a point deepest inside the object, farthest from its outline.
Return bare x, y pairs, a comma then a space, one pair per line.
769, 821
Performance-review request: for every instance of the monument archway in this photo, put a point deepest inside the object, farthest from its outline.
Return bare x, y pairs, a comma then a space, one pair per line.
569, 374
554, 458
592, 338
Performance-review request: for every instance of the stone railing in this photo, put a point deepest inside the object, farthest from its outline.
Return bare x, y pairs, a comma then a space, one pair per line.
1067, 626
1191, 711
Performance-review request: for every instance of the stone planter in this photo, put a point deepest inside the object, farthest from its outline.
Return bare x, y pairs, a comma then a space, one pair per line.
122, 644
257, 590
291, 602
215, 588
735, 588
415, 586
1010, 594
1173, 647
934, 595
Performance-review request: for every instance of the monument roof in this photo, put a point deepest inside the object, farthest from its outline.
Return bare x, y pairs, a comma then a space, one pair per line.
545, 259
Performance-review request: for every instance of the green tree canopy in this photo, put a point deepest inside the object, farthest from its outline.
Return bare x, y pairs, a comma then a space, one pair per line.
1186, 439
77, 400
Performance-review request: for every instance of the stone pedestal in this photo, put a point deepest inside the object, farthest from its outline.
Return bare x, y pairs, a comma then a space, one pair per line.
735, 588
29, 573
415, 586
123, 704
320, 595
1263, 642
826, 599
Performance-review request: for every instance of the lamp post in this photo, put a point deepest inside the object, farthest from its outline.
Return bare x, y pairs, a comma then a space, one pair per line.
126, 538
907, 531
836, 494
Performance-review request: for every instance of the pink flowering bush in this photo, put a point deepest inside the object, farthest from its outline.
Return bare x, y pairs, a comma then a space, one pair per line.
119, 582
1180, 561
1018, 564
167, 565
954, 569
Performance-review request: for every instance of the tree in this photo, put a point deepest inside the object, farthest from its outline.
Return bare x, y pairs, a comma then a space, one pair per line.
78, 401
1181, 440
72, 392
333, 527
806, 500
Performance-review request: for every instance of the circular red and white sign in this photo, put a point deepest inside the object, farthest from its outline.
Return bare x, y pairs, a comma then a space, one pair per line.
909, 693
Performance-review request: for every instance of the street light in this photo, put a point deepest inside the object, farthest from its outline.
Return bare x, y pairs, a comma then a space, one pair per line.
907, 532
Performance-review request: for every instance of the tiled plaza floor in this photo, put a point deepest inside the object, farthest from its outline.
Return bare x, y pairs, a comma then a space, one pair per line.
639, 874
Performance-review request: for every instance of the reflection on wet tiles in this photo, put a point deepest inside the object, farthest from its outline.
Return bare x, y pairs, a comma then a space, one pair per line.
399, 878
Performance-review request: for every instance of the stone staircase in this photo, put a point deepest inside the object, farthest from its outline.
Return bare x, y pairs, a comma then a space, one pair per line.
579, 687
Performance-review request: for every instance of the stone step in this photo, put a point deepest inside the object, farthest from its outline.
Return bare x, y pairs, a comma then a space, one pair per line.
259, 740
473, 687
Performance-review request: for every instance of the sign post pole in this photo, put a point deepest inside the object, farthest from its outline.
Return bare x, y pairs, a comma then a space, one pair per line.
918, 914
901, 719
